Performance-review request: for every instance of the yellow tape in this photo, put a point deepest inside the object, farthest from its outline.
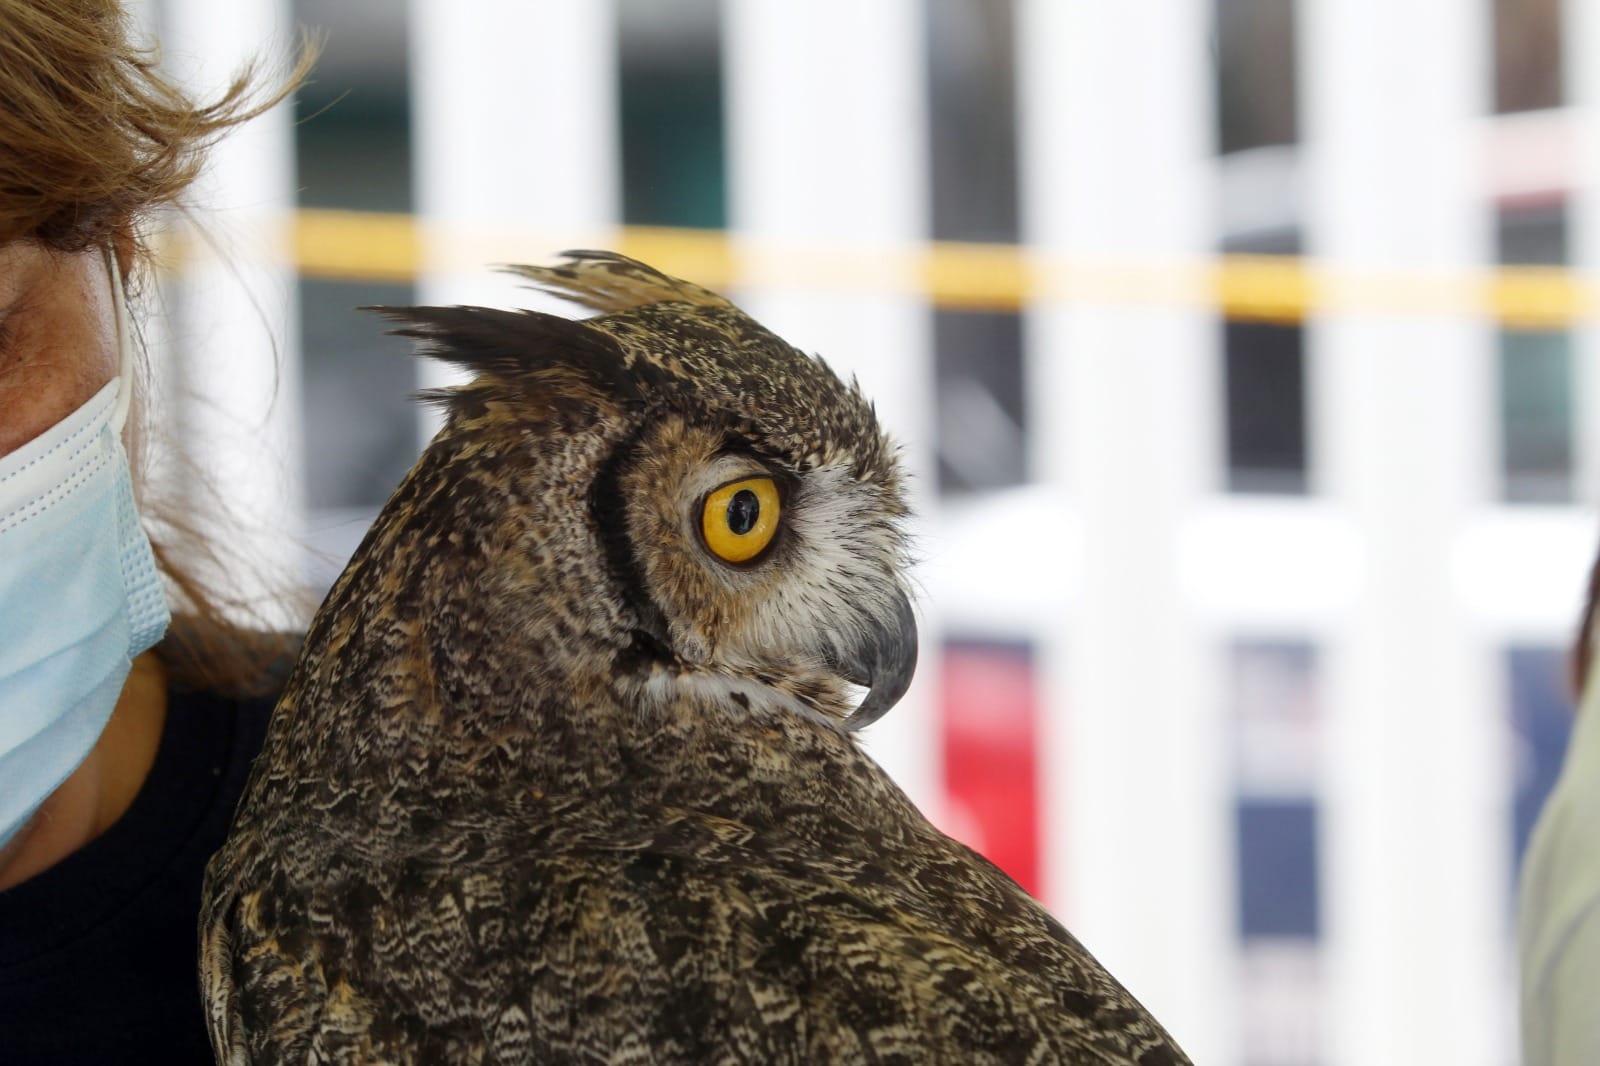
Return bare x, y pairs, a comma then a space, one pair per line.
360, 246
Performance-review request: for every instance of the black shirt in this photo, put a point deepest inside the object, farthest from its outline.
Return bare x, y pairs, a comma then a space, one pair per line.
98, 953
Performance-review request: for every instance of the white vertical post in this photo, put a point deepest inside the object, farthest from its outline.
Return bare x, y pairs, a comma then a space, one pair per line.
827, 145
1414, 855
515, 140
1116, 145
1581, 70
236, 328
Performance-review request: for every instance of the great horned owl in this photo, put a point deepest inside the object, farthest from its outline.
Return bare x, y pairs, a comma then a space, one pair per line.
566, 772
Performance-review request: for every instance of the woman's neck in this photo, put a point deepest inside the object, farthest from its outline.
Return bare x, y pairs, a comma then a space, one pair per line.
103, 786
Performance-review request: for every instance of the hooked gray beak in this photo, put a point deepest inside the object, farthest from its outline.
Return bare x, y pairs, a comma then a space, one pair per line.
884, 663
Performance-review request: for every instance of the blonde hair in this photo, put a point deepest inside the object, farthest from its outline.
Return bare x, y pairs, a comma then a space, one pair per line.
1582, 654
93, 141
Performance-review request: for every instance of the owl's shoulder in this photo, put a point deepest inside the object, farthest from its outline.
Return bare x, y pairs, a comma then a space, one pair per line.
724, 936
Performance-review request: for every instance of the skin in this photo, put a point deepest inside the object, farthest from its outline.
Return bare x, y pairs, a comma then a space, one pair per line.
58, 347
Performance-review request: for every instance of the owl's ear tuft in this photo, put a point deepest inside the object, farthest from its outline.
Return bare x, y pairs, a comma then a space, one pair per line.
608, 281
512, 345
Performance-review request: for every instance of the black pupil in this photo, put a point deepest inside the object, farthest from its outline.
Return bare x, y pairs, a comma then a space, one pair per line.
743, 510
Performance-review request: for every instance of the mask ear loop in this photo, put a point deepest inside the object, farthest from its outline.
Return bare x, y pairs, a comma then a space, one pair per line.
119, 306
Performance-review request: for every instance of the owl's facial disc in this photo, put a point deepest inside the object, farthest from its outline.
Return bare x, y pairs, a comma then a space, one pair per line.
883, 661
874, 641
777, 572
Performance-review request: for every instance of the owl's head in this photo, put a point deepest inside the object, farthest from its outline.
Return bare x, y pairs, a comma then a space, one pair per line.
737, 504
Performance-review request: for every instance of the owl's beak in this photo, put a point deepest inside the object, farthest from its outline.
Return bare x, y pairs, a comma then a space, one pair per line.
884, 663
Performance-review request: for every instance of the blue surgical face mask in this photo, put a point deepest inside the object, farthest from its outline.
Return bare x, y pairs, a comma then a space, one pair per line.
79, 591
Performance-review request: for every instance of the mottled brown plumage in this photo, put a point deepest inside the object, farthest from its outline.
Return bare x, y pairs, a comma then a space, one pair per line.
551, 784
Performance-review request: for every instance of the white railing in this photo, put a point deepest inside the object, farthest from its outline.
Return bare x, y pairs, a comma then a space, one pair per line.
1402, 409
1132, 765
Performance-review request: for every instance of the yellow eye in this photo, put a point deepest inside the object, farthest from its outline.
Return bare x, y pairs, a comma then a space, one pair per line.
740, 519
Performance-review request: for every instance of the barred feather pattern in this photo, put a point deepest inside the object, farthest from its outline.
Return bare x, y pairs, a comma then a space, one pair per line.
549, 786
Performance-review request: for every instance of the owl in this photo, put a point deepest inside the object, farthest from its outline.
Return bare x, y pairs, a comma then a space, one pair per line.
568, 770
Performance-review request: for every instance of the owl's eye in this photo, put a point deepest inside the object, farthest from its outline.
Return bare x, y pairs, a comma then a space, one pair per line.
740, 519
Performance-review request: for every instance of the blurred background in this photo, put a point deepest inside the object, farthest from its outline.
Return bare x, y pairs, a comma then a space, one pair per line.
1245, 352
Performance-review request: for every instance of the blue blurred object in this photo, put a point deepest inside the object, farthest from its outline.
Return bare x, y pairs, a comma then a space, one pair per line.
1278, 893
1541, 723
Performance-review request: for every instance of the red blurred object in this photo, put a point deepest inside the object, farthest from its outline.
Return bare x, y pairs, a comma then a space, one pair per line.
989, 703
